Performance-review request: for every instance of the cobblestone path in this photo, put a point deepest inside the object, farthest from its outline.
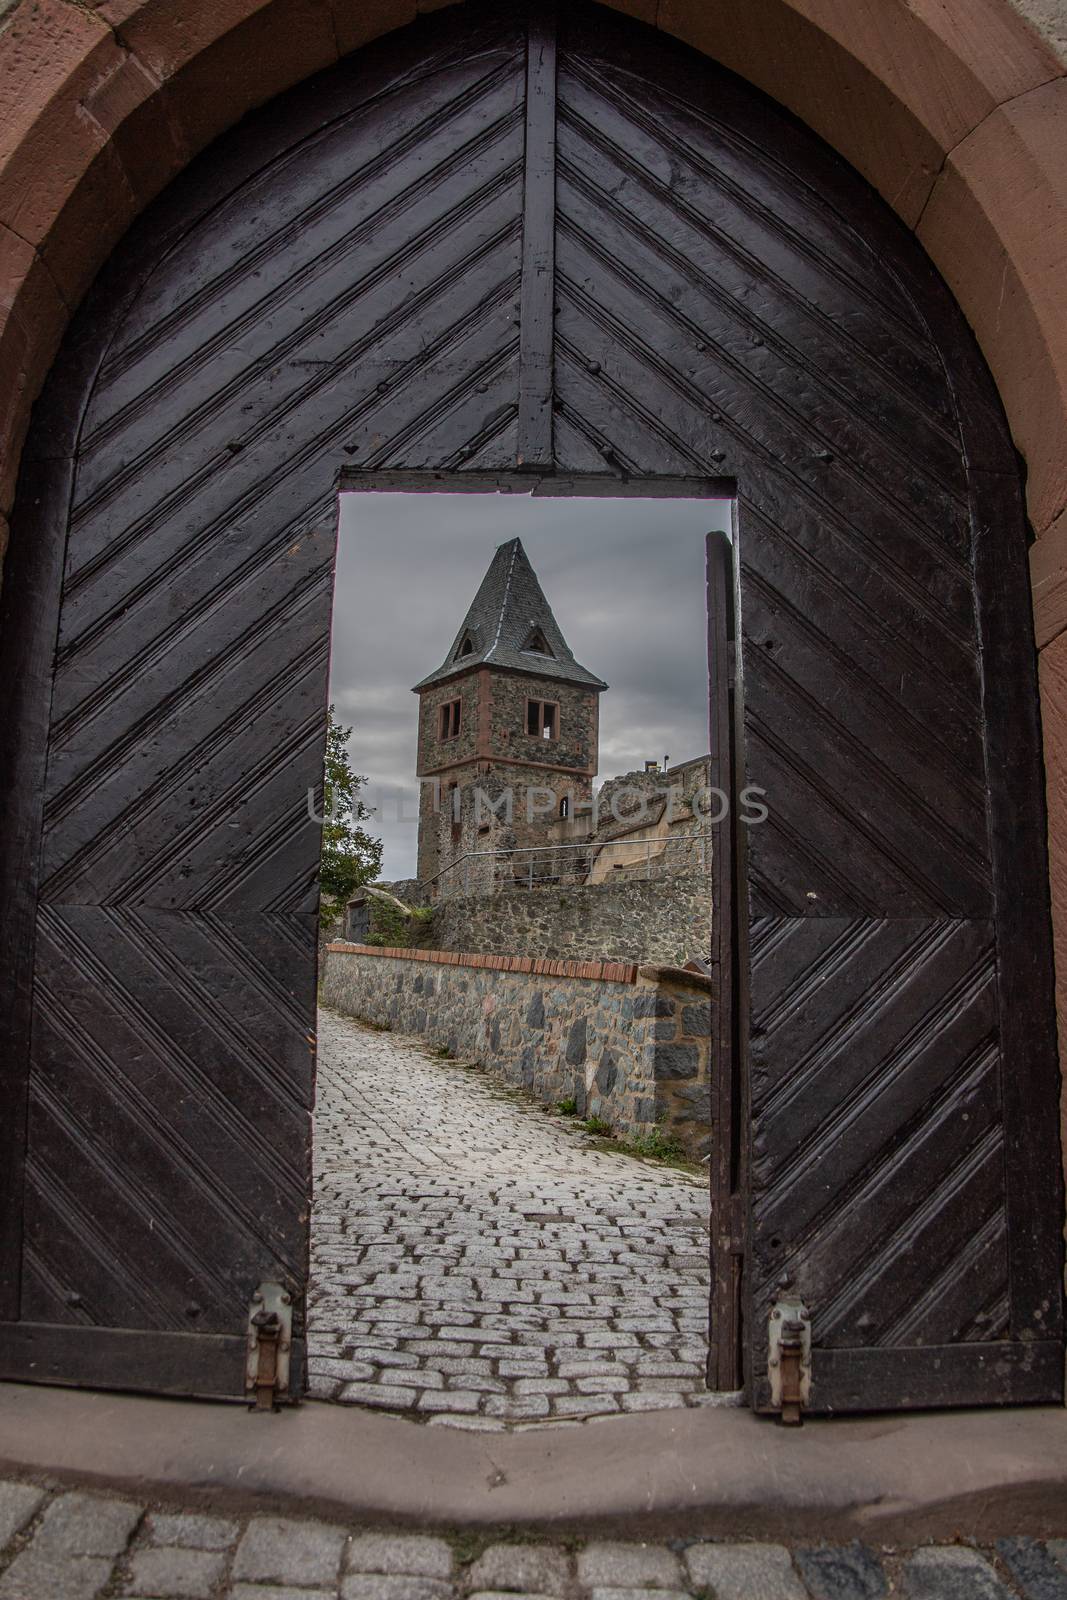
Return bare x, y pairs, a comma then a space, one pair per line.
476, 1262
57, 1544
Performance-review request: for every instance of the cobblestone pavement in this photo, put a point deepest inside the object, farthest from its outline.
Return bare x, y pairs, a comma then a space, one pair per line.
476, 1262
59, 1544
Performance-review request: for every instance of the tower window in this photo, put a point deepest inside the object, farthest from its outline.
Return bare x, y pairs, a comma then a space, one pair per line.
449, 720
466, 647
542, 718
565, 806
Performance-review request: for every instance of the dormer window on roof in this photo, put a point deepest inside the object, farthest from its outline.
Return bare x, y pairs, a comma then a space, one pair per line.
466, 647
537, 644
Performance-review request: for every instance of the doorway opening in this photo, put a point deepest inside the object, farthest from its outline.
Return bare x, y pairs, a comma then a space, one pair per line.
513, 1132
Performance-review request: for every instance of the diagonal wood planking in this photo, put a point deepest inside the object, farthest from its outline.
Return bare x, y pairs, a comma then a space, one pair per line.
496, 245
717, 315
352, 299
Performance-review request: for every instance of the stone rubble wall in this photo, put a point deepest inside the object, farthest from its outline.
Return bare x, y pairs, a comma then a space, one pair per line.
629, 1044
664, 920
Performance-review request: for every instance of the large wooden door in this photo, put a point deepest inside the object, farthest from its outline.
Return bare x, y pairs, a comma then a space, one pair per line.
484, 247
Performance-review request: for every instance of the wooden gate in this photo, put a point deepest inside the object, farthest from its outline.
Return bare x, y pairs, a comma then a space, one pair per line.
483, 248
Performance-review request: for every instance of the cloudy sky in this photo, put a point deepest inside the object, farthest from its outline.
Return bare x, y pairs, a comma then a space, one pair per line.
625, 579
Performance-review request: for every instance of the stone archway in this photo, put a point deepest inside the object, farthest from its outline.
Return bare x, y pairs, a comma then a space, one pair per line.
146, 441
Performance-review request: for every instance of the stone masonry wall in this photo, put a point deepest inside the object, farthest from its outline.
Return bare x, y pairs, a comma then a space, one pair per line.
664, 920
629, 1044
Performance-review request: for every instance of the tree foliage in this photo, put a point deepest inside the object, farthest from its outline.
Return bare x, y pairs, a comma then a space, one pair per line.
349, 855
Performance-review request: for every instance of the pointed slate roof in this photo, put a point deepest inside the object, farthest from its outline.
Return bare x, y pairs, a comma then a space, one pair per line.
510, 624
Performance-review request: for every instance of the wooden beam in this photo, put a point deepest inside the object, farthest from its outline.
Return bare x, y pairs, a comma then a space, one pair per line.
538, 293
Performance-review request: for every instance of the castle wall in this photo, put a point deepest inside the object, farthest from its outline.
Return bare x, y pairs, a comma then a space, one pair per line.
663, 919
630, 1045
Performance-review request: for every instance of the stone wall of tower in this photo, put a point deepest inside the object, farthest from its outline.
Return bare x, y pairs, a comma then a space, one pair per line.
522, 777
575, 746
436, 753
445, 830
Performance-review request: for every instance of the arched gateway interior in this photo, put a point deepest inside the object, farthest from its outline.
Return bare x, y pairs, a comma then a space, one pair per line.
500, 248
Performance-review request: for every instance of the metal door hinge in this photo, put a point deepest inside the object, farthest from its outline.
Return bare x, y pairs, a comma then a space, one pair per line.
270, 1338
789, 1358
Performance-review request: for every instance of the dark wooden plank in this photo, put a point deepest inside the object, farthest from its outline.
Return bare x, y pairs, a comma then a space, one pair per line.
537, 305
557, 485
1024, 1373
1018, 827
724, 1354
206, 1366
29, 619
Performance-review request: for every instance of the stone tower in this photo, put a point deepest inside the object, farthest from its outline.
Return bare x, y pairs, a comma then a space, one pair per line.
509, 718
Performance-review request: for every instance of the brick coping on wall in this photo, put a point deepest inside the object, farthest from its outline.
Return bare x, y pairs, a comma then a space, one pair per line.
600, 971
543, 966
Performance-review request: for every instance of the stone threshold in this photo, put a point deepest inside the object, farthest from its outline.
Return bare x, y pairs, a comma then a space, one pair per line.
702, 1473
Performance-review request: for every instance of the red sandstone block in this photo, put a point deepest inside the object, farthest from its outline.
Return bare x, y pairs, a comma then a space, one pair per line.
32, 318
46, 46
170, 38
1048, 573
996, 226
86, 138
223, 60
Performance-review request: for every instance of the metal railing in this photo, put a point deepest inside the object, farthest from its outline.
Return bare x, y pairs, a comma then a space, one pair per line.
536, 866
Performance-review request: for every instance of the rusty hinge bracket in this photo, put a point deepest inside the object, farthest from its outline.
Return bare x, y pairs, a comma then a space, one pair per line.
270, 1338
789, 1358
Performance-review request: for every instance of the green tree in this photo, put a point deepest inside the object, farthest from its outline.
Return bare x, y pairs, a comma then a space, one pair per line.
349, 855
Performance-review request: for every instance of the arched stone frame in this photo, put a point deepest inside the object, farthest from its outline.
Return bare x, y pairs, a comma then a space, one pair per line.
984, 445
956, 117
